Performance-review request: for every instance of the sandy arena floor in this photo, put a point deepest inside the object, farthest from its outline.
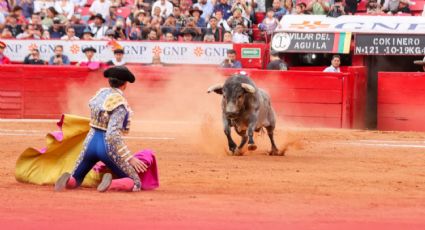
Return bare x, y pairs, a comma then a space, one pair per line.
329, 179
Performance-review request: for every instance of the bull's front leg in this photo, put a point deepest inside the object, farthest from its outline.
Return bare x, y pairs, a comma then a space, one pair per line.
251, 127
232, 145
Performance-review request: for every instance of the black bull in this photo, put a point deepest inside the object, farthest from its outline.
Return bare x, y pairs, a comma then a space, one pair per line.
247, 109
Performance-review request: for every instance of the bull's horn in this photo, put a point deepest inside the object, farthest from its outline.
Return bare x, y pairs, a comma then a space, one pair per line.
249, 88
216, 88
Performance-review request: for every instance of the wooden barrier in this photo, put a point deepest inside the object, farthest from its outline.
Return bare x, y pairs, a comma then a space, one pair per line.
304, 98
401, 101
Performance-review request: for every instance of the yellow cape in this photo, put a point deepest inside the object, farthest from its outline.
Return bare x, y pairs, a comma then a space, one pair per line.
60, 156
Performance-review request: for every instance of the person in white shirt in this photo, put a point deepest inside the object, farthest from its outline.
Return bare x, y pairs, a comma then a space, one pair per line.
65, 7
165, 5
80, 3
42, 5
100, 7
207, 8
239, 36
98, 27
70, 34
220, 21
335, 63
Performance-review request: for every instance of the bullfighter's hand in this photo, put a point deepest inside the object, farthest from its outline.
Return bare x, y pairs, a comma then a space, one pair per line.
138, 165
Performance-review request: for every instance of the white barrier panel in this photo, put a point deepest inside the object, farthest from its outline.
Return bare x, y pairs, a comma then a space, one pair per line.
135, 51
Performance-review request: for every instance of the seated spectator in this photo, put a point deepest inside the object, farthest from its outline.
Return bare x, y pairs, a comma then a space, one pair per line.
335, 63
98, 27
34, 58
221, 23
188, 35
70, 34
27, 7
157, 14
209, 37
59, 58
230, 61
242, 6
65, 8
237, 19
112, 16
191, 25
18, 12
227, 37
300, 9
156, 61
224, 8
6, 33
196, 14
169, 37
47, 22
153, 35
76, 23
119, 58
213, 29
269, 23
13, 26
279, 11
206, 7
404, 7
35, 19
373, 7
90, 61
100, 7
31, 32
169, 25
135, 32
318, 7
3, 58
87, 34
275, 62
165, 6
337, 9
56, 31
119, 30
180, 19
239, 35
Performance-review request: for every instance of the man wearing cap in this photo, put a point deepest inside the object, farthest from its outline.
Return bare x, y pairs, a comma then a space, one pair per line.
420, 62
119, 58
110, 117
275, 62
98, 28
3, 58
90, 61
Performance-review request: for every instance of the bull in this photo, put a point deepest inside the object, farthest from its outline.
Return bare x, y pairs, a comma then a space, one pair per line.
246, 108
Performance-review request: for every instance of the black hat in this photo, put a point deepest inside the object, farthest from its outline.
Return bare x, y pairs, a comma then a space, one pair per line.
120, 73
189, 31
99, 16
118, 51
89, 49
195, 9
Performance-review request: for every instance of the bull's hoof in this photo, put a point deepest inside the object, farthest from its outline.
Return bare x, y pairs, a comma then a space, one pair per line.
276, 152
252, 147
238, 152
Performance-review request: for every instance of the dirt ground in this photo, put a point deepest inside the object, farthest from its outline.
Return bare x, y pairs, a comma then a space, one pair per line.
329, 179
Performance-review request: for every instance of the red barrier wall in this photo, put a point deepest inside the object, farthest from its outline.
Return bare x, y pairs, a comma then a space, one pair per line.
301, 98
401, 101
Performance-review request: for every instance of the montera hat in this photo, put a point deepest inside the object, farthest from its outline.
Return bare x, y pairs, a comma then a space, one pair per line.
118, 51
120, 73
420, 62
89, 49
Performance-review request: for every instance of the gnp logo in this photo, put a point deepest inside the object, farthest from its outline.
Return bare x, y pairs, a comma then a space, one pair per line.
311, 25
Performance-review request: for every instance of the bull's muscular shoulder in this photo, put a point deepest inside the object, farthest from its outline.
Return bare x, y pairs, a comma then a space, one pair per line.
114, 100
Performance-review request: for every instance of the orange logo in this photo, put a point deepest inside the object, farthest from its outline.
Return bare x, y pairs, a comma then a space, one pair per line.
198, 51
74, 49
156, 50
309, 25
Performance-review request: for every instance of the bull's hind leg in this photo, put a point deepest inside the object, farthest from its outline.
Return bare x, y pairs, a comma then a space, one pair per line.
274, 151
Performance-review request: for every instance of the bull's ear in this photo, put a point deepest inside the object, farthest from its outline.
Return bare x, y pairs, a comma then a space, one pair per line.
218, 89
248, 88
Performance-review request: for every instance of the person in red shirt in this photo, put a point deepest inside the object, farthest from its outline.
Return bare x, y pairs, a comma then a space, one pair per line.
3, 59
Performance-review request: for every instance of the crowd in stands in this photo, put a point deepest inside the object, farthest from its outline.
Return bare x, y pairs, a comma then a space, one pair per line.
234, 21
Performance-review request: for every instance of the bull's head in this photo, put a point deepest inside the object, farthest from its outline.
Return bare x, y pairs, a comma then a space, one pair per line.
233, 97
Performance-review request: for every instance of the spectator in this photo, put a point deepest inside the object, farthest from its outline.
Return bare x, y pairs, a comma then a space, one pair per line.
153, 35
351, 6
98, 27
214, 30
79, 3
170, 25
12, 25
165, 6
119, 30
6, 33
100, 7
59, 58
76, 23
169, 37
34, 58
156, 61
157, 14
289, 6
230, 61
3, 58
224, 8
196, 14
57, 31
65, 7
135, 32
180, 19
227, 37
404, 6
209, 37
70, 34
300, 9
27, 7
269, 23
373, 7
109, 35
275, 62
47, 22
185, 7
31, 32
417, 62
391, 6
279, 11
206, 7
112, 17
335, 63
221, 23
90, 61
237, 19
336, 9
143, 5
318, 7
190, 25
239, 36
35, 19
242, 6
18, 12
40, 6
188, 35
87, 34
119, 58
